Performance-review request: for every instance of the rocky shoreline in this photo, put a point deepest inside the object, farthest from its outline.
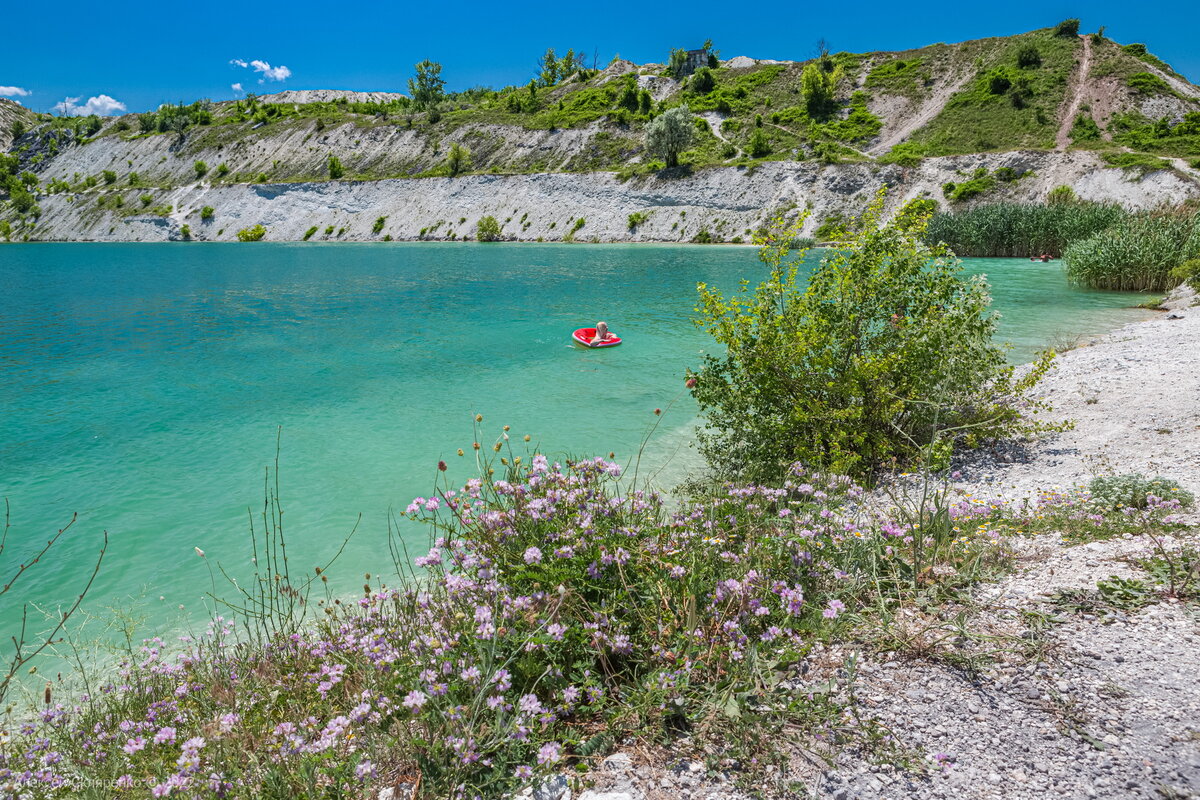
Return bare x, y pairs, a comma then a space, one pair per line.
1087, 705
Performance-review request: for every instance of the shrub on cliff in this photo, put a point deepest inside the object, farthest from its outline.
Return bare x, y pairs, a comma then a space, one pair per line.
254, 234
886, 354
336, 170
488, 229
458, 160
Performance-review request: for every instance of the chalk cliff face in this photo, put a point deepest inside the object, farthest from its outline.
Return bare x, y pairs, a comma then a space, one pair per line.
10, 113
727, 203
542, 160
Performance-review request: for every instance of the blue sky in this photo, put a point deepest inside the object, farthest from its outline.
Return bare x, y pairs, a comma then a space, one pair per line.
141, 54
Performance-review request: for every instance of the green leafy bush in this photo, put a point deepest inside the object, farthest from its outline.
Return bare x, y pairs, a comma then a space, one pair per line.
1148, 83
759, 145
1140, 163
336, 170
222, 170
958, 192
1085, 129
308, 234
1068, 28
378, 226
702, 81
185, 231
1188, 272
905, 154
253, 234
1115, 492
109, 176
458, 160
1029, 56
488, 229
201, 169
1061, 195
637, 218
206, 213
146, 199
886, 354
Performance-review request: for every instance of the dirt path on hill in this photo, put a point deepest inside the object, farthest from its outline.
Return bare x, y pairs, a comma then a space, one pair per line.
932, 106
1076, 87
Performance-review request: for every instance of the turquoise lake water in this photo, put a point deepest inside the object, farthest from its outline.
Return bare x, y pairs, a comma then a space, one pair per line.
143, 386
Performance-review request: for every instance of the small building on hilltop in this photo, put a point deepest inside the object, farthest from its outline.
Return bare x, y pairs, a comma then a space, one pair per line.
695, 60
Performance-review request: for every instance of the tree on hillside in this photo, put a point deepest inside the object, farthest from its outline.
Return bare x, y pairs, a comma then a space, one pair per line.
677, 63
548, 68
670, 134
552, 69
458, 160
819, 89
427, 87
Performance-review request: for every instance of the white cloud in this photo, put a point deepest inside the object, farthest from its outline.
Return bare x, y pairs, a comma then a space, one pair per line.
237, 87
14, 91
268, 72
101, 105
271, 73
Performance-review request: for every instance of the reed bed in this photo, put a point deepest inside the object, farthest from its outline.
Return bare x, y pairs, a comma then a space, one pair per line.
1139, 253
1021, 230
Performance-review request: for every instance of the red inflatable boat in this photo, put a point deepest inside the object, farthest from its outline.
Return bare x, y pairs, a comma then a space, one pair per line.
584, 337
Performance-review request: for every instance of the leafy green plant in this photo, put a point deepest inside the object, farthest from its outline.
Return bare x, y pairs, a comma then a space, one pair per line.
334, 165
427, 87
109, 176
670, 134
146, 199
185, 231
308, 234
458, 160
1149, 84
378, 226
1029, 56
887, 352
1136, 253
1140, 163
759, 145
252, 234
201, 169
207, 213
1085, 129
1067, 28
637, 218
1022, 229
1115, 492
488, 229
1187, 272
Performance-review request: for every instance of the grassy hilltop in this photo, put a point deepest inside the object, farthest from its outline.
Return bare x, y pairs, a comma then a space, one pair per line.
986, 95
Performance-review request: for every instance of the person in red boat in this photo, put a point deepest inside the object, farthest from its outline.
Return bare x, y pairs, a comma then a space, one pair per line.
602, 334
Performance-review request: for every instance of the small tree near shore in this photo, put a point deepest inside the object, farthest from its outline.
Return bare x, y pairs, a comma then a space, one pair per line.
670, 134
488, 229
886, 355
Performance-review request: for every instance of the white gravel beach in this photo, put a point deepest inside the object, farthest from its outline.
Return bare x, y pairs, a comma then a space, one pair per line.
1109, 707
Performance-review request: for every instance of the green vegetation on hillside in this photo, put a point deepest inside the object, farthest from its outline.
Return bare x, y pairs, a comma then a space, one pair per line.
1005, 105
830, 109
